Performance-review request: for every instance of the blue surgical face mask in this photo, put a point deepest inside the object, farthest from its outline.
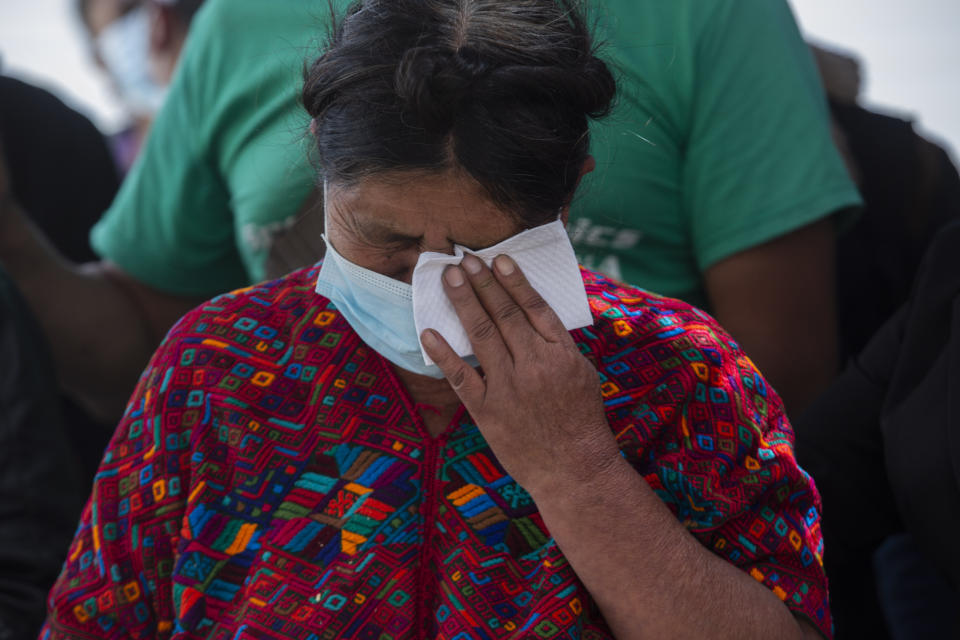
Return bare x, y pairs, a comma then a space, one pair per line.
379, 308
124, 46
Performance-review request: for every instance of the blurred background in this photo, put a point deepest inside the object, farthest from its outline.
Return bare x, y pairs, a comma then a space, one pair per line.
909, 52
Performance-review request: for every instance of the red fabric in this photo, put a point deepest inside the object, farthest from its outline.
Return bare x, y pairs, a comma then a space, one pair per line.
271, 478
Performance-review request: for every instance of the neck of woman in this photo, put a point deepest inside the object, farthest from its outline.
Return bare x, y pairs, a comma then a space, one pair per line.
434, 399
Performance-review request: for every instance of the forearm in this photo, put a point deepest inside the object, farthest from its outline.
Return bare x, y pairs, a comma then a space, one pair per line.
98, 337
800, 367
778, 301
650, 577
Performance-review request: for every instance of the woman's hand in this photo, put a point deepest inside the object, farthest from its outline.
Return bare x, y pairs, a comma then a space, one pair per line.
538, 400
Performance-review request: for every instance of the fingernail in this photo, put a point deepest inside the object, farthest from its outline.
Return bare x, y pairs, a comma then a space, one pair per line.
453, 276
472, 264
504, 265
429, 339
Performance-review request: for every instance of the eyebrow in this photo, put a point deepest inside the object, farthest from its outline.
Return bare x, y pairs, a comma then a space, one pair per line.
376, 230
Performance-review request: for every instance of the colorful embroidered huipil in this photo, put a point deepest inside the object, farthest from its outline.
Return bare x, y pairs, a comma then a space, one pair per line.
271, 479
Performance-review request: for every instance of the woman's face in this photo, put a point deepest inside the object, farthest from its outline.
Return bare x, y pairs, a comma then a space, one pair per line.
385, 223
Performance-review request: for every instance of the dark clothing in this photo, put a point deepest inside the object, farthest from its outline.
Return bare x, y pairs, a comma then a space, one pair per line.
63, 175
60, 166
41, 493
910, 190
883, 443
917, 601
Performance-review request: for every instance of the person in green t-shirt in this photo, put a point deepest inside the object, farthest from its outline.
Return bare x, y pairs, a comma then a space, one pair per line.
716, 177
714, 148
715, 182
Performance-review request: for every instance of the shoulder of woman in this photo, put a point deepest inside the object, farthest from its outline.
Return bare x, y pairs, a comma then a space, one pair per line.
632, 317
259, 319
642, 342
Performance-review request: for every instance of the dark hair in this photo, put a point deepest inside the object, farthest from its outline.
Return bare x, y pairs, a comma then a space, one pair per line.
499, 88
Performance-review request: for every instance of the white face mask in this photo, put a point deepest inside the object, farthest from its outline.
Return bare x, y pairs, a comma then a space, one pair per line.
389, 315
124, 47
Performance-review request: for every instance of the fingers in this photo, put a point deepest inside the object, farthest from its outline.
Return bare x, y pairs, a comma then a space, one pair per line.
536, 310
482, 305
502, 308
464, 379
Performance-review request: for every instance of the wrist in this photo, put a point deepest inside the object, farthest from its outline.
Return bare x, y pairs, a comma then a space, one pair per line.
598, 473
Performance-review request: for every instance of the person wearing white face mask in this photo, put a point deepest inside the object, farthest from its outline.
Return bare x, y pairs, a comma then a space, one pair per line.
315, 457
137, 43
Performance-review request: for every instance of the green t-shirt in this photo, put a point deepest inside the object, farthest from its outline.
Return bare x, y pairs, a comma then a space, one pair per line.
720, 142
225, 168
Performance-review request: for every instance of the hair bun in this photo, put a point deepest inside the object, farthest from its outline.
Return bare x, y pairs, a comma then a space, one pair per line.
598, 88
432, 82
587, 88
469, 62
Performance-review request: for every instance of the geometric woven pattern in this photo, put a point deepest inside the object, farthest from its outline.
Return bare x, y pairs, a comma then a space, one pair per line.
270, 478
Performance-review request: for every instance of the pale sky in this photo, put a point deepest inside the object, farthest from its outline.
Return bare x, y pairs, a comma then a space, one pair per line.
910, 52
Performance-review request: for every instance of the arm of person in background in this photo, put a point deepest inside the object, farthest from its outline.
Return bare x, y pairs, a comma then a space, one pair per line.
763, 184
787, 275
778, 299
101, 324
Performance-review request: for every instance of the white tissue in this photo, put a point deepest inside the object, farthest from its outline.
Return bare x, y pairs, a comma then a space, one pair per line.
544, 255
